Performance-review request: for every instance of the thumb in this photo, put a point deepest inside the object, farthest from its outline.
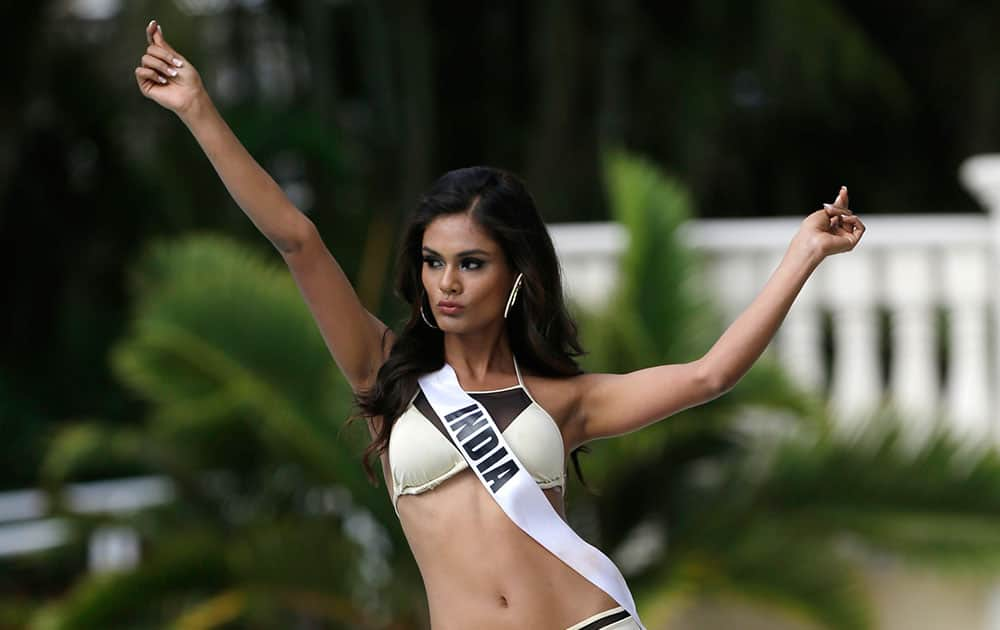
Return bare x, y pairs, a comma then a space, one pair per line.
841, 199
158, 38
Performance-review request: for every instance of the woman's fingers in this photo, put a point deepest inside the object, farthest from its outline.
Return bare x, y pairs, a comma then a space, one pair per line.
163, 54
841, 219
149, 75
160, 59
842, 200
150, 61
155, 39
856, 222
159, 40
854, 228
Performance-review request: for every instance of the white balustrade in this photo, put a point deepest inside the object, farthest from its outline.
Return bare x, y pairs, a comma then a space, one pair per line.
851, 291
910, 290
588, 254
964, 292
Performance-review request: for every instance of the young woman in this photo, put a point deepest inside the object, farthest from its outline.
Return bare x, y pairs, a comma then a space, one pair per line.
488, 329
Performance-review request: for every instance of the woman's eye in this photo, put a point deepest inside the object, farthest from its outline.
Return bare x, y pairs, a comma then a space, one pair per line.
469, 263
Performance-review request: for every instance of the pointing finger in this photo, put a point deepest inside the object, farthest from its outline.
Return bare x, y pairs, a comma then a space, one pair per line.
842, 200
150, 28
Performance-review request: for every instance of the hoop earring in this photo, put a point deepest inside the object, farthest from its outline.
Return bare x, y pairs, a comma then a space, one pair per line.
513, 294
424, 317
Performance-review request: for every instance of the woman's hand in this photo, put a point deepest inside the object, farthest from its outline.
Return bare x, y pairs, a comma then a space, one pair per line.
164, 76
831, 229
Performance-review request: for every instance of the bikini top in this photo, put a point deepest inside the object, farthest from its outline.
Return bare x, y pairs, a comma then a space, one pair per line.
422, 454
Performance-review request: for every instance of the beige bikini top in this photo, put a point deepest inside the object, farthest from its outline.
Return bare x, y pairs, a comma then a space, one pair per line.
422, 454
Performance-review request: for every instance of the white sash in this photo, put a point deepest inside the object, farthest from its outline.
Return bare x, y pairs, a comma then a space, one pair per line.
483, 446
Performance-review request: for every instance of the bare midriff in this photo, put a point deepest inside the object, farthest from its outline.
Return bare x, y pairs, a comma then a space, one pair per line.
480, 570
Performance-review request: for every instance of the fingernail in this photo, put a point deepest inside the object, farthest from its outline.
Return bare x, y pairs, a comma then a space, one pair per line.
150, 23
177, 62
826, 205
173, 72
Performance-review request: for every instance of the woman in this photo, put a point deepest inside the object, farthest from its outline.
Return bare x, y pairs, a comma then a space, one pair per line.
488, 327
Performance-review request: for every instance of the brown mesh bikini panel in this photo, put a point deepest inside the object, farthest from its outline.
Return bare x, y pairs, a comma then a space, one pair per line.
503, 406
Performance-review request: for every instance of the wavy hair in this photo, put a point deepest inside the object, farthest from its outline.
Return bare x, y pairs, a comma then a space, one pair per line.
541, 332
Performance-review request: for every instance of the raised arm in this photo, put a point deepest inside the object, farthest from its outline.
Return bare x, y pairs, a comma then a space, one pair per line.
615, 404
357, 340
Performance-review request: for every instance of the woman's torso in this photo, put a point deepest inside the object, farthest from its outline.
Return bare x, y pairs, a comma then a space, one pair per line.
480, 569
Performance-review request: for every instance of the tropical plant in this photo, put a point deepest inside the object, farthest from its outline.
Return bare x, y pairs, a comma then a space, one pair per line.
274, 520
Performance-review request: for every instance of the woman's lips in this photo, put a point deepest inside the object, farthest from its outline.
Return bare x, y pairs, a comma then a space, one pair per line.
450, 309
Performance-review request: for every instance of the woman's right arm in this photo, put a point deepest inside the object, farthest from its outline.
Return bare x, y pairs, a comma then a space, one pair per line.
353, 335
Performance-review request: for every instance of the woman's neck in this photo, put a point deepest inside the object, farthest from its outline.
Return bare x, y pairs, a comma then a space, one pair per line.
475, 357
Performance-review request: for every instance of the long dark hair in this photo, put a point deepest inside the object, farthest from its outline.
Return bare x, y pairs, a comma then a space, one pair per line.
541, 333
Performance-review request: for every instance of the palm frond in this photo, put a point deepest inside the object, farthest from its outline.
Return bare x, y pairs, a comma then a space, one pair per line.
88, 448
218, 333
189, 564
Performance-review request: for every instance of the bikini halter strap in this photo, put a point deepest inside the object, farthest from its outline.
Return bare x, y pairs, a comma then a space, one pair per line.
517, 370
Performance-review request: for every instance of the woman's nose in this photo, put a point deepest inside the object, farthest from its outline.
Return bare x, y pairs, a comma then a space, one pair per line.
449, 280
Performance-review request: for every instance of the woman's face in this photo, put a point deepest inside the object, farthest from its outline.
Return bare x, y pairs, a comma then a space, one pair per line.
464, 265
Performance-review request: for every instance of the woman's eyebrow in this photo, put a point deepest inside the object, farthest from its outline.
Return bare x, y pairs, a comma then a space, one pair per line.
459, 254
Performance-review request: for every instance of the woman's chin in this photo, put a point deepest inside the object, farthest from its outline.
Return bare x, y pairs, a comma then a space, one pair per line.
448, 324
455, 325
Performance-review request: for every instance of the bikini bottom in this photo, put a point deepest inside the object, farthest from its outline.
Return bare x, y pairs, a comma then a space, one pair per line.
612, 619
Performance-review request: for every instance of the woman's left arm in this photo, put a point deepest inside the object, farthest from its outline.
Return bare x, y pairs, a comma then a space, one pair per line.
830, 230
616, 404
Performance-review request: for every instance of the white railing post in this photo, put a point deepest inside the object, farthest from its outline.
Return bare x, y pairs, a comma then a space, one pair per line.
965, 291
980, 174
910, 292
849, 283
800, 338
113, 548
590, 260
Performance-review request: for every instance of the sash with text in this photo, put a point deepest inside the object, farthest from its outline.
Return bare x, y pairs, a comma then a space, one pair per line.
511, 485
